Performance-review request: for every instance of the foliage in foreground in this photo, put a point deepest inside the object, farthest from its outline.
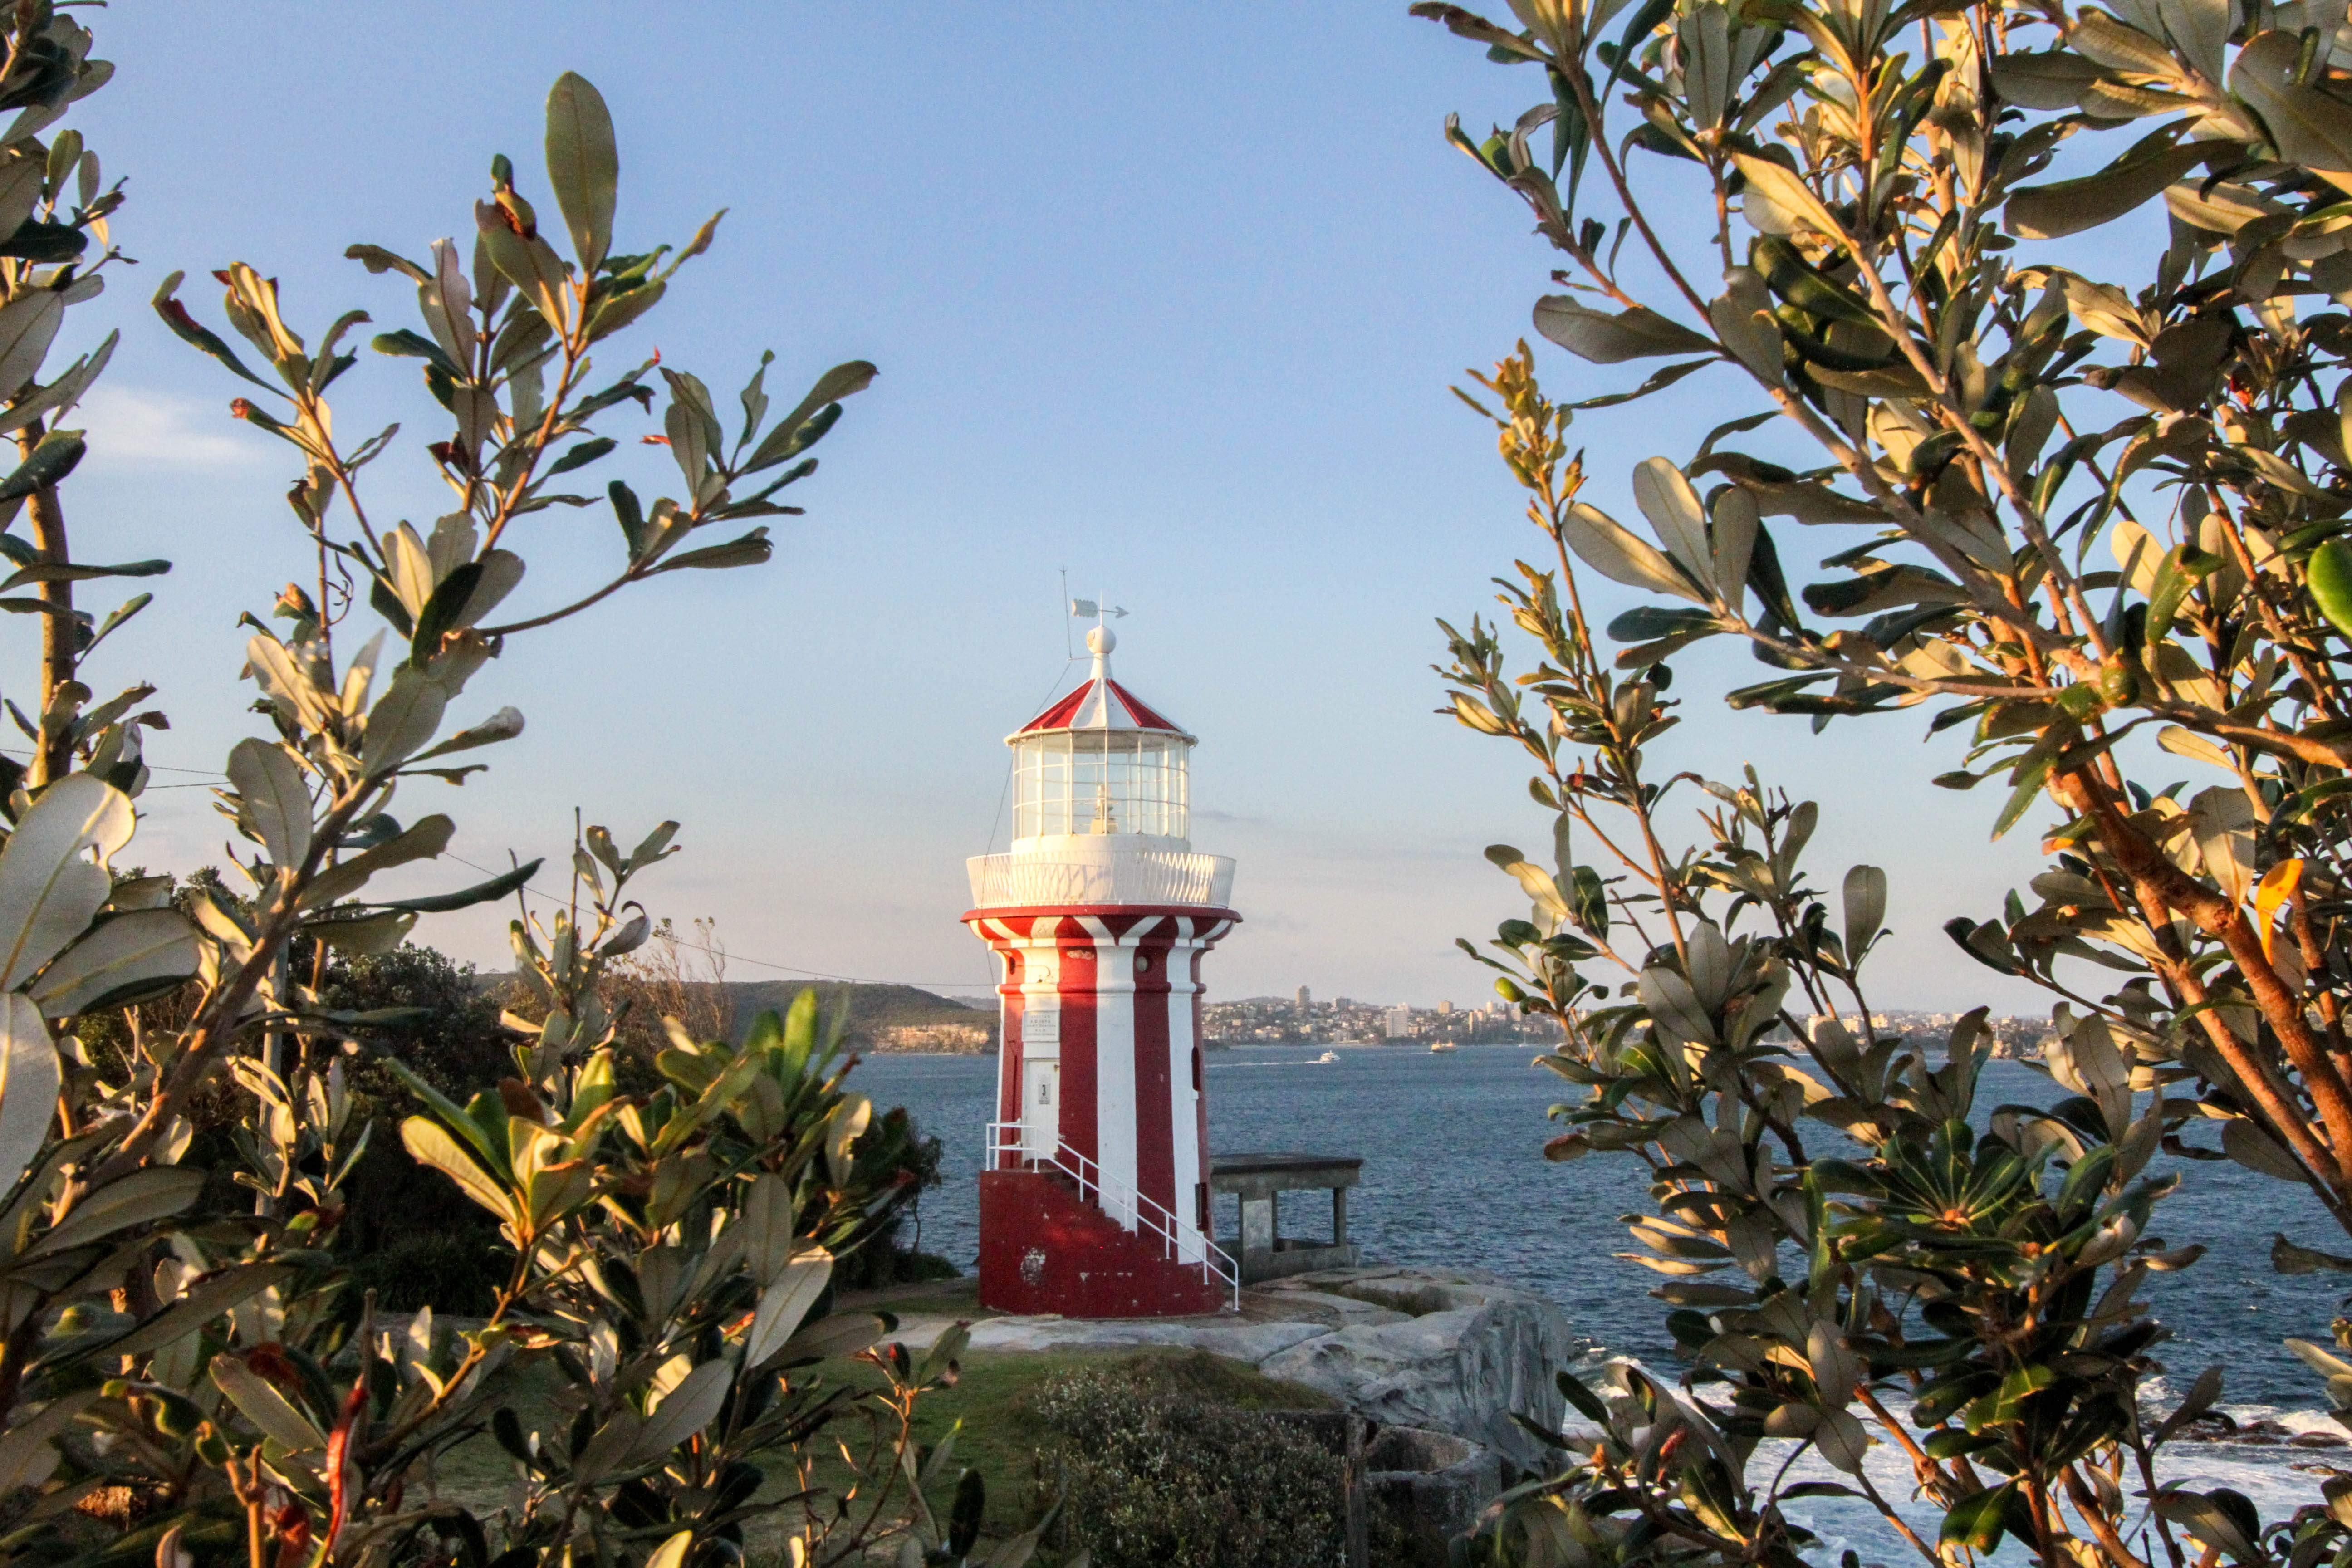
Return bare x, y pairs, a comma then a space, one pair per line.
2096, 511
185, 1380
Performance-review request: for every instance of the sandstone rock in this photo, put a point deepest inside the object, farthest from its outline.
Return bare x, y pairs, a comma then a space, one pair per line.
1433, 1484
1476, 1349
1292, 1302
1232, 1339
1453, 1351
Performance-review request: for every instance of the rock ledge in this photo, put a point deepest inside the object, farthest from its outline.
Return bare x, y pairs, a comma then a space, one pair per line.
1451, 1351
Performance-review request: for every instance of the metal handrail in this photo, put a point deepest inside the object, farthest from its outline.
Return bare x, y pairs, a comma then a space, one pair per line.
1105, 1192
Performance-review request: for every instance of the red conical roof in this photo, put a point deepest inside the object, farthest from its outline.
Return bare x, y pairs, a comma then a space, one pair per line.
1099, 703
1086, 709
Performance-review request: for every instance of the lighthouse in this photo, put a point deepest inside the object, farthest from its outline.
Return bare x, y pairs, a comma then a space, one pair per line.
1094, 1197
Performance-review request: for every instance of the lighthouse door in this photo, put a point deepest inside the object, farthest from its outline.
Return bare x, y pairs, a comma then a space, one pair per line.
1041, 1109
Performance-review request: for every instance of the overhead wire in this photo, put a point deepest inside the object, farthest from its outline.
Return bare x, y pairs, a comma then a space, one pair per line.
729, 955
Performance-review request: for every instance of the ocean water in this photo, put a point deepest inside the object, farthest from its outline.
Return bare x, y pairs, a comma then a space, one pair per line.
1453, 1175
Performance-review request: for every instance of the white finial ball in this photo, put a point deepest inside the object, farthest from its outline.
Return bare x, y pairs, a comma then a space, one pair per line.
1101, 639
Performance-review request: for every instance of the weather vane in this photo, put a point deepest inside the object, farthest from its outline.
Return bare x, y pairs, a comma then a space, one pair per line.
1080, 609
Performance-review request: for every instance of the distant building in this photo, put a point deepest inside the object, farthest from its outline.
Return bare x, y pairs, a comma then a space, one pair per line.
1397, 1023
1446, 1007
958, 1040
1305, 999
1340, 1004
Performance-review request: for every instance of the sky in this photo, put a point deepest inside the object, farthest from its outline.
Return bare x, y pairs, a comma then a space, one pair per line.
1167, 298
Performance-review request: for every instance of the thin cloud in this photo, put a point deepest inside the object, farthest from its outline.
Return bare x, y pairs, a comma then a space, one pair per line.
131, 424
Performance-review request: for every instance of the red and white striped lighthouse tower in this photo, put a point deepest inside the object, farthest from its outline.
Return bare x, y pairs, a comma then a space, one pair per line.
1094, 1199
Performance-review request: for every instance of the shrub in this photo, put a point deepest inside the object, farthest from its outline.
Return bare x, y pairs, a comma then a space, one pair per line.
894, 1153
1155, 1472
2104, 531
456, 1272
185, 1098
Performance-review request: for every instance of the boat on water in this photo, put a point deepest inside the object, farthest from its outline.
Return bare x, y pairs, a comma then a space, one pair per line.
1327, 1056
1437, 1045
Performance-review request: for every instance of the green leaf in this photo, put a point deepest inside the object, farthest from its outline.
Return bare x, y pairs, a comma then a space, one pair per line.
425, 841
2221, 1519
498, 887
752, 549
1783, 188
2257, 1150
530, 263
440, 615
403, 720
274, 799
583, 165
142, 1197
630, 515
1648, 623
2028, 780
379, 260
451, 1113
2050, 80
1976, 1522
348, 933
280, 1419
1586, 1402
1607, 339
24, 1445
432, 1145
2287, 1257
580, 457
28, 324
786, 440
49, 462
63, 392
31, 1074
503, 725
1604, 543
45, 241
1659, 380
2007, 1403
201, 1305
68, 573
2070, 207
2200, 1398
53, 875
127, 957
1842, 1440
614, 311
784, 1304
405, 344
686, 1409
129, 608
1865, 909
964, 1514
187, 328
2310, 127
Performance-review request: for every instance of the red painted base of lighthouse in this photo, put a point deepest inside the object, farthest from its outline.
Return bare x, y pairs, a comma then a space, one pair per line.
1044, 1249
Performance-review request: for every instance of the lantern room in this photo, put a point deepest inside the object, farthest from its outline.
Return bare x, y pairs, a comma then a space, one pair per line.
1099, 762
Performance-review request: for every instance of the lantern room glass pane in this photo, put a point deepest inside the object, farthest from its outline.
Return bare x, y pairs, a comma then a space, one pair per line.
1114, 782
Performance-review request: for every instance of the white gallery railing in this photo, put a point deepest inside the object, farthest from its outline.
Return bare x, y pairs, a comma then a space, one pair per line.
1033, 876
1132, 1210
